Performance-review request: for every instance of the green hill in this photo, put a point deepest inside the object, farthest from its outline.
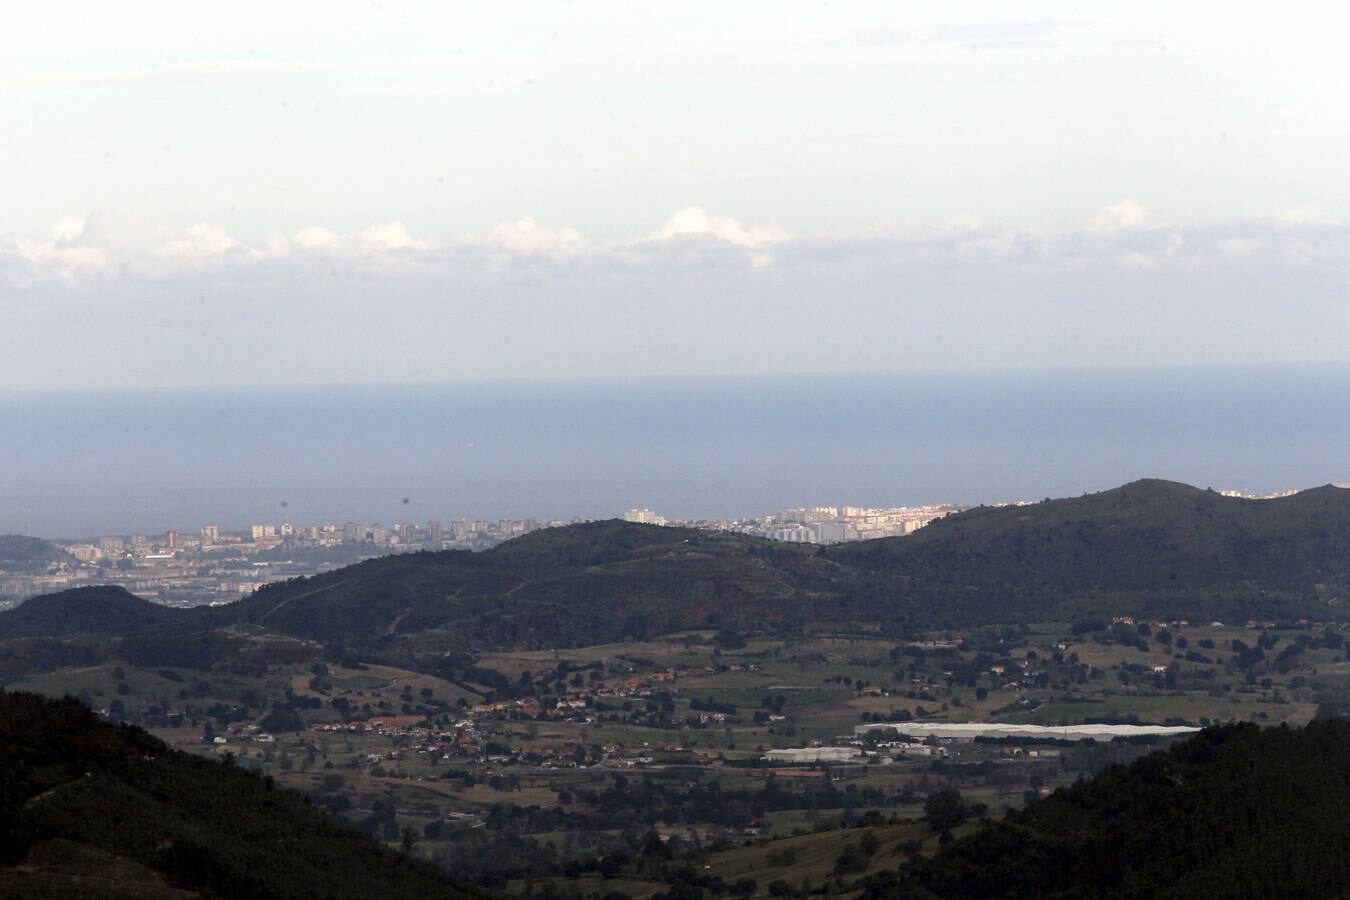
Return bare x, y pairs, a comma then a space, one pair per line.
96, 810
1150, 547
20, 553
1236, 811
100, 611
603, 581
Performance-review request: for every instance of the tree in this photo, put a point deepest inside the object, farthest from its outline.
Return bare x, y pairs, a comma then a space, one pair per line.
729, 639
282, 718
944, 809
851, 860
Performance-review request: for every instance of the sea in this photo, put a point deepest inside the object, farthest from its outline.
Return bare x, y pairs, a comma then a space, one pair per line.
80, 464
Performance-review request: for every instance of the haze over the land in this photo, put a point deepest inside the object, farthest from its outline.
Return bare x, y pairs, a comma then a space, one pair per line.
393, 192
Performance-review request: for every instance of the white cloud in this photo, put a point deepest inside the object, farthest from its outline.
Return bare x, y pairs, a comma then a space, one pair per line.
58, 258
391, 236
695, 222
68, 229
692, 236
81, 246
314, 236
200, 241
529, 298
526, 237
103, 246
1122, 216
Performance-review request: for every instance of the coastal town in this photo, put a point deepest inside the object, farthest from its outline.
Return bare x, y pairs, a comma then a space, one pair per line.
215, 565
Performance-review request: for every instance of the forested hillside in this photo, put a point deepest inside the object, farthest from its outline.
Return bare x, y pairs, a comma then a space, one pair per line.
92, 809
1236, 811
103, 611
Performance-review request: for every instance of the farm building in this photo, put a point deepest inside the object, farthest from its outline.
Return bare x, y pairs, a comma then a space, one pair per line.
812, 754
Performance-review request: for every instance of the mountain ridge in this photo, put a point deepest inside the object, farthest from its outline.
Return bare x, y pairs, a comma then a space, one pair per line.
1151, 548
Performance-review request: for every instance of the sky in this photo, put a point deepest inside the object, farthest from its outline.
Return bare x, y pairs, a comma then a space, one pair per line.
306, 193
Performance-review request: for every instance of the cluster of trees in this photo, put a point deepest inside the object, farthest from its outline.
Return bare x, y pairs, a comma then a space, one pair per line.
672, 803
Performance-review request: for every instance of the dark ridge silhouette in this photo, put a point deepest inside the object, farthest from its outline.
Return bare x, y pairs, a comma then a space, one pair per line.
95, 611
1150, 548
95, 810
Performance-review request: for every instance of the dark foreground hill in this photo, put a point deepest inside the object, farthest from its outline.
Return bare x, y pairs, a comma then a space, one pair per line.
1234, 812
1150, 548
89, 809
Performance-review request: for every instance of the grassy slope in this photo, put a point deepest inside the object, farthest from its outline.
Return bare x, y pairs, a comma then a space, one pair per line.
814, 855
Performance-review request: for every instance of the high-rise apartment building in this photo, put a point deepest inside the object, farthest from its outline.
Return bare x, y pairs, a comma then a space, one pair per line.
644, 516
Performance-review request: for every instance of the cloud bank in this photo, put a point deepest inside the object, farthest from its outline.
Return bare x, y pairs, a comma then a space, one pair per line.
85, 249
106, 299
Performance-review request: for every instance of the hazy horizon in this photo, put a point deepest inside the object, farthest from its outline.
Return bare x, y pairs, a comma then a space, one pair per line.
88, 462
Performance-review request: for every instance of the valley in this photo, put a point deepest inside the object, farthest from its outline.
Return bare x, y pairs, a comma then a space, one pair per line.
556, 761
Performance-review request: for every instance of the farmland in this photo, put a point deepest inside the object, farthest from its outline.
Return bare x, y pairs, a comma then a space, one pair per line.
609, 766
